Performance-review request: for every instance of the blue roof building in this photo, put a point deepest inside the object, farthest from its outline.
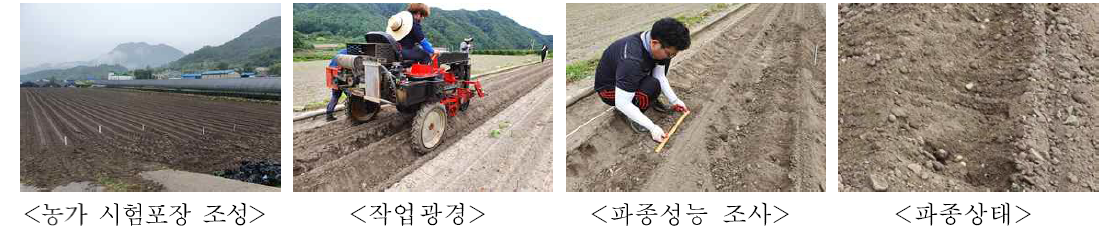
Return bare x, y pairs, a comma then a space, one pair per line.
228, 73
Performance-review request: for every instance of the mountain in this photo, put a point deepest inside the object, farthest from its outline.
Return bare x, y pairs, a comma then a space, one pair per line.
260, 46
138, 55
132, 55
75, 73
490, 29
50, 66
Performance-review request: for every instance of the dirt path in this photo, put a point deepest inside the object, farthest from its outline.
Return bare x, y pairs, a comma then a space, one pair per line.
518, 158
117, 134
969, 97
375, 155
757, 122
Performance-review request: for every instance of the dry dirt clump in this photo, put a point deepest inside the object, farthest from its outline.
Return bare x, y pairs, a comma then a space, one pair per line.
969, 97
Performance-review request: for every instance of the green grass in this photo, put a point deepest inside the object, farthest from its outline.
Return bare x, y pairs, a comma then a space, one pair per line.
690, 21
301, 55
114, 185
579, 70
320, 104
308, 41
311, 106
501, 126
507, 52
693, 20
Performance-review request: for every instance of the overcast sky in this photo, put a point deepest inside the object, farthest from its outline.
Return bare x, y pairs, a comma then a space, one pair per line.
528, 15
78, 32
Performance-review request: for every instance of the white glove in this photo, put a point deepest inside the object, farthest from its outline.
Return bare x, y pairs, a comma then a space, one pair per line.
657, 133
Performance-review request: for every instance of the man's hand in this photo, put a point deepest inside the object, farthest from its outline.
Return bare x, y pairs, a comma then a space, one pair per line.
680, 107
657, 133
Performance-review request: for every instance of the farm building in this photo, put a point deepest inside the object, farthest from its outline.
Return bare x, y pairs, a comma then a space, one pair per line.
192, 76
229, 73
45, 83
114, 76
261, 71
169, 74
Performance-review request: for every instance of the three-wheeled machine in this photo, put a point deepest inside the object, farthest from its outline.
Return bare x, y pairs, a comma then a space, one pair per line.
374, 74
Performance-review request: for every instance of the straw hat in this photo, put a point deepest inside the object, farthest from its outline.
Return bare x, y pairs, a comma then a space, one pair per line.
399, 25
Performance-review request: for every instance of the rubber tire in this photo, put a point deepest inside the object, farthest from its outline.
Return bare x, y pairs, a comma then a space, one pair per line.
418, 125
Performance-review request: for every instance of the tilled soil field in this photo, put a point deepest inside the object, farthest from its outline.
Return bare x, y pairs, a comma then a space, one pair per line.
309, 82
109, 136
373, 156
586, 36
969, 97
757, 99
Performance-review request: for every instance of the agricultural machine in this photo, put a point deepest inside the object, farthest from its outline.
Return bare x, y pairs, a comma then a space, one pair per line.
374, 74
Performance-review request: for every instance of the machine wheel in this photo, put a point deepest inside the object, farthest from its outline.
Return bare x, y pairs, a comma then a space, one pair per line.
361, 110
428, 127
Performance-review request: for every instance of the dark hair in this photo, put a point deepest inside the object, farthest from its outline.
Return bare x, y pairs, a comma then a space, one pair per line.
419, 9
671, 33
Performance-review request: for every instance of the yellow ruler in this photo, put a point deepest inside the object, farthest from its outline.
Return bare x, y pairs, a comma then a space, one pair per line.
673, 130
